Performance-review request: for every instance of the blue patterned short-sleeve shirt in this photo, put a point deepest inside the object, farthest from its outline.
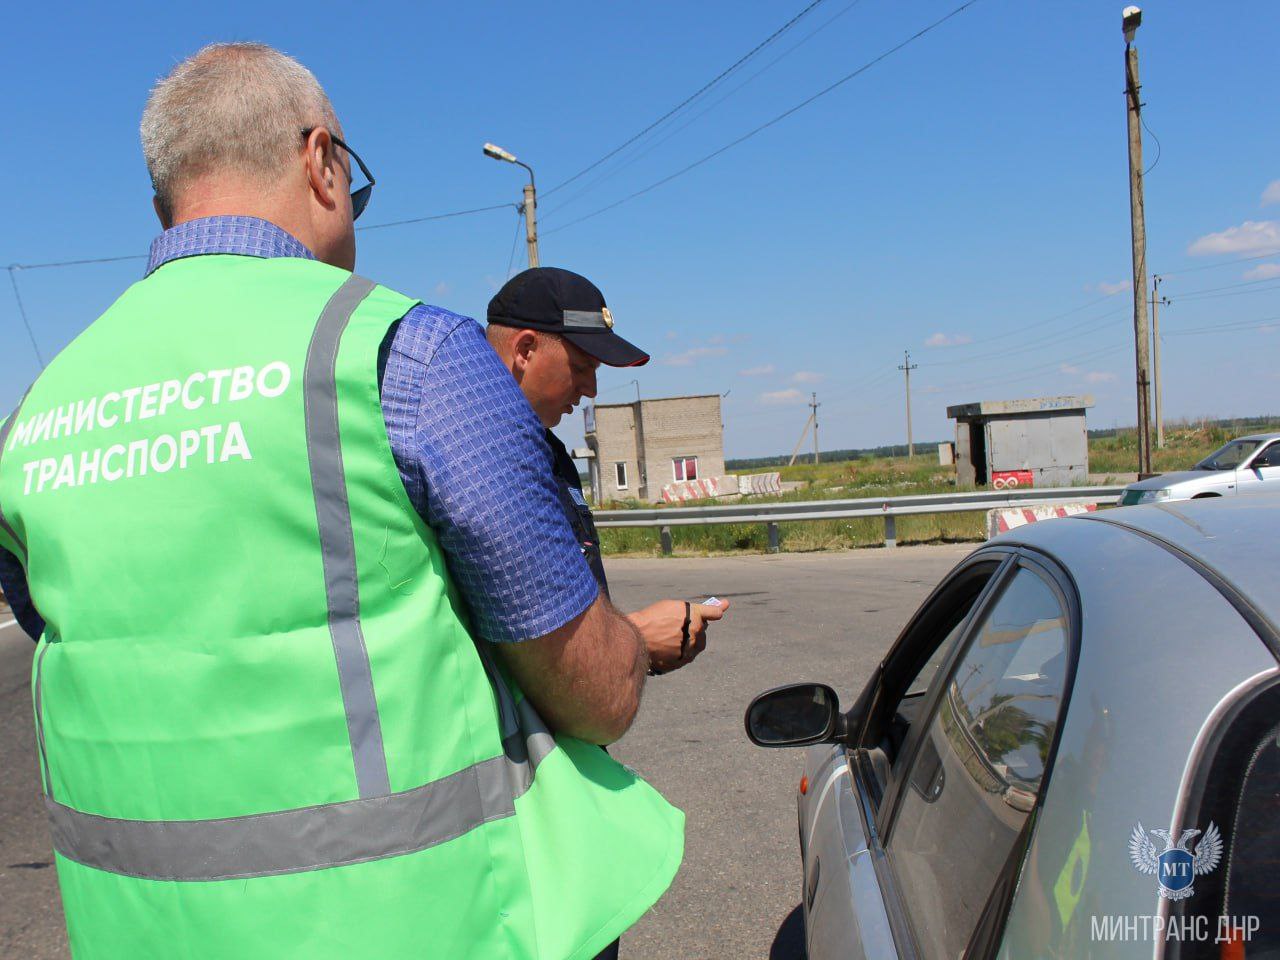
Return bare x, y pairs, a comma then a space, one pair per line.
469, 448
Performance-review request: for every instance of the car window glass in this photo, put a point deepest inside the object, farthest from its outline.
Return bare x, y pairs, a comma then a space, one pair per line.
1269, 457
978, 770
938, 634
1230, 456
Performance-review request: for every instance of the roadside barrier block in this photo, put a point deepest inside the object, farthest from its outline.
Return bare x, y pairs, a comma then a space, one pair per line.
1004, 520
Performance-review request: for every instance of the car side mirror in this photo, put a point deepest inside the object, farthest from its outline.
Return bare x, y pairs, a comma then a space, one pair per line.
796, 715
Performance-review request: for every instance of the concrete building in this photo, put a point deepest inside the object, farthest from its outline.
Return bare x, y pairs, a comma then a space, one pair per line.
1039, 442
638, 447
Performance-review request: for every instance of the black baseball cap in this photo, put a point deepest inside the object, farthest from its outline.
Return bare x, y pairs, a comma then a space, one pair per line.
565, 303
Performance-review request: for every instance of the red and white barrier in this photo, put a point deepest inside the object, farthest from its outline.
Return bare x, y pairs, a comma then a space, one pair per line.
1002, 521
683, 490
760, 483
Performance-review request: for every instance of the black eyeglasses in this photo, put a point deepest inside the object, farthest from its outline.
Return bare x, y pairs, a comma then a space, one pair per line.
359, 198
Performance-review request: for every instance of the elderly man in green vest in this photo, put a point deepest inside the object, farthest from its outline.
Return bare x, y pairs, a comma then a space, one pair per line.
304, 687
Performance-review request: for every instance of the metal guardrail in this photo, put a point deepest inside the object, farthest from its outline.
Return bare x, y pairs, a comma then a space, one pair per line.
886, 507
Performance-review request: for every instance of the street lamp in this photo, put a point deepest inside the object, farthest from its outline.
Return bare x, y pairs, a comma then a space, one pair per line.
530, 199
1132, 20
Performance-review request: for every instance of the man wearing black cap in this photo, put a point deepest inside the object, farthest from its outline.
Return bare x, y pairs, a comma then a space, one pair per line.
552, 330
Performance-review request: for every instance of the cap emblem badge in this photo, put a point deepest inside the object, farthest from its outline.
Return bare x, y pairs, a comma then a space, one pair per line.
608, 317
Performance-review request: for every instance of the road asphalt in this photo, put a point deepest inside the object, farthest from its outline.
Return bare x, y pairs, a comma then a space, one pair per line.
818, 616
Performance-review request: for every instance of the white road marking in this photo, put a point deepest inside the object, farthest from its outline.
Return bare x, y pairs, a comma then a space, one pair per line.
7, 623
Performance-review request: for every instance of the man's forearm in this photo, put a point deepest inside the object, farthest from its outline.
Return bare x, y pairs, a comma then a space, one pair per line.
586, 678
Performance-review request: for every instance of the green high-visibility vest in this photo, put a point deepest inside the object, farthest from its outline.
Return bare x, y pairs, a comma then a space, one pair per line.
264, 726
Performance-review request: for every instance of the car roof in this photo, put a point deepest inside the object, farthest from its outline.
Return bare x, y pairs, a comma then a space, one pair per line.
1258, 436
1238, 538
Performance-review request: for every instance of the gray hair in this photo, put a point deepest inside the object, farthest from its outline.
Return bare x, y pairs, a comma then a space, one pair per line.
233, 106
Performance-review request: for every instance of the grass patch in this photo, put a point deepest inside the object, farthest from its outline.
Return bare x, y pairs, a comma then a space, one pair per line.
1185, 443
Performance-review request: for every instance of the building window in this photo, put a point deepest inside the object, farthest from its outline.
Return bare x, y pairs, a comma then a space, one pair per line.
620, 472
685, 468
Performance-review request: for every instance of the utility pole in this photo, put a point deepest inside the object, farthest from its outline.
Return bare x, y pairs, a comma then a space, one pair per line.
803, 432
1156, 300
814, 405
1141, 335
906, 367
531, 220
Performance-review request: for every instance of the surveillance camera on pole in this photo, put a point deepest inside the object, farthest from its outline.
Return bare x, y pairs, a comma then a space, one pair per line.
530, 199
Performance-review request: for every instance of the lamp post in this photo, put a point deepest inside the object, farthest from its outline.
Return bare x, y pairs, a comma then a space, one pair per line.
530, 199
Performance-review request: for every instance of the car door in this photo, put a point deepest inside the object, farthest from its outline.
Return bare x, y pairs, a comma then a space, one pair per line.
1262, 473
845, 909
952, 823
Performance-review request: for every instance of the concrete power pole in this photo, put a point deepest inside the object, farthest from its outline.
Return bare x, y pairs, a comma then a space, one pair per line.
531, 221
1141, 335
1156, 300
906, 367
814, 405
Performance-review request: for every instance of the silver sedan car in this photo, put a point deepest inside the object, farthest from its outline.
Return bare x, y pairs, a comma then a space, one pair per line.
1245, 465
1072, 750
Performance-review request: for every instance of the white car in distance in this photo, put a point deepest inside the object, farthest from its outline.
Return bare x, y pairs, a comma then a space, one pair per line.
1245, 465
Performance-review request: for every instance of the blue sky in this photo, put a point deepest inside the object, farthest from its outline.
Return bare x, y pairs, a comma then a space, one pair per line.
966, 198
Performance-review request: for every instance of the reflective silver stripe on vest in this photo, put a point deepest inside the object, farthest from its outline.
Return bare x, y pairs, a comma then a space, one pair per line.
337, 541
291, 841
38, 699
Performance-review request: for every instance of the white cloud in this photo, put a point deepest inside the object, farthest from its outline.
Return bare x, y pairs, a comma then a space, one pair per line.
1069, 369
1263, 271
808, 376
1111, 289
1271, 194
689, 357
442, 289
1252, 236
716, 340
779, 397
672, 335
1099, 376
948, 340
761, 371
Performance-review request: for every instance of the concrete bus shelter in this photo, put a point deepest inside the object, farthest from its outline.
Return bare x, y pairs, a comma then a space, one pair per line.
1040, 442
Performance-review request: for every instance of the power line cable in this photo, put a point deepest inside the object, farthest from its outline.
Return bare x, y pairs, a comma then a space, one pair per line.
22, 311
1233, 327
689, 99
514, 240
782, 116
618, 168
74, 263
436, 216
1058, 336
1219, 296
371, 226
1159, 149
1215, 266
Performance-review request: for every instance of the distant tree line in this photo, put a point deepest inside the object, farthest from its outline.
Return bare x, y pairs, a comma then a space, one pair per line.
1240, 425
929, 447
